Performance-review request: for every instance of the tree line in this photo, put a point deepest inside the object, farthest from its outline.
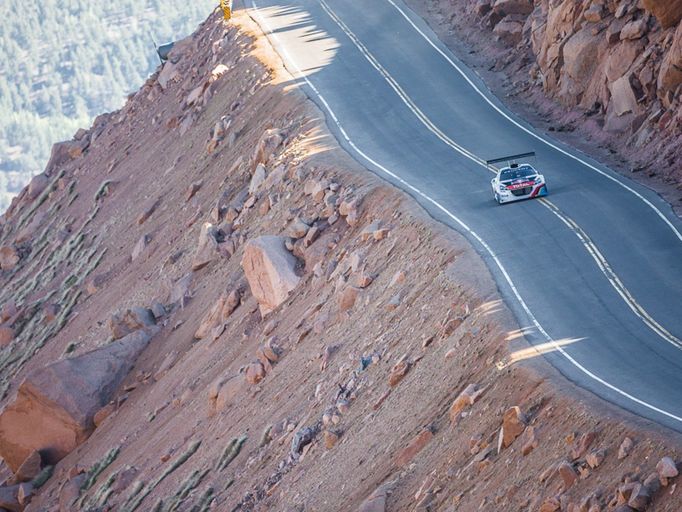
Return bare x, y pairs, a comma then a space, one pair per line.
63, 62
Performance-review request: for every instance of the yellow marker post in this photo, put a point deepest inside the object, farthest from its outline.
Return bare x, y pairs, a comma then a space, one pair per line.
227, 8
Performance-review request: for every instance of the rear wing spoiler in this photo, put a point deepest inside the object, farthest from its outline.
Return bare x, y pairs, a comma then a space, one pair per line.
510, 158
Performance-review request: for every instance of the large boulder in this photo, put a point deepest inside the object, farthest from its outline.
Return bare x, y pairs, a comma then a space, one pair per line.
270, 270
581, 56
505, 7
509, 31
667, 12
54, 407
623, 99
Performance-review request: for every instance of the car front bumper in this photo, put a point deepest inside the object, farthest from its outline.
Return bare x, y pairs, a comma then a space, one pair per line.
507, 196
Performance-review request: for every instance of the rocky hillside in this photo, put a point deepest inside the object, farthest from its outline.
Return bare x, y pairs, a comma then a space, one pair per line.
207, 305
612, 70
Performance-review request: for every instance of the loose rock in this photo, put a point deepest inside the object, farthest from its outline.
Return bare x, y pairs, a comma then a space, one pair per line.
417, 444
513, 425
208, 246
270, 270
667, 468
625, 448
595, 458
122, 324
398, 372
255, 373
568, 474
218, 315
465, 399
6, 335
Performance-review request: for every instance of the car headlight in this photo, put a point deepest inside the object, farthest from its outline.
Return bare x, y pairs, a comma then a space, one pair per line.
538, 179
503, 187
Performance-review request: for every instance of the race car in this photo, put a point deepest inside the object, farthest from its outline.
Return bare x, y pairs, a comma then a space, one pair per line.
517, 181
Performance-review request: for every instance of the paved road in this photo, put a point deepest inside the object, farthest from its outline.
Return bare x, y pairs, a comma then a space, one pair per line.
594, 272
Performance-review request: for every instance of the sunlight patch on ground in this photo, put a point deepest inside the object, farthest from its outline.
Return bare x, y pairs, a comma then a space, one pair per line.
535, 351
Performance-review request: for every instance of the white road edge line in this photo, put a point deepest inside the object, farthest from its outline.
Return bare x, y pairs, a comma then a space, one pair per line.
530, 132
585, 240
297, 71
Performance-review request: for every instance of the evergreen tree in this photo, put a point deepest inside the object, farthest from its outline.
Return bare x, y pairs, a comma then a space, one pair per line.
63, 62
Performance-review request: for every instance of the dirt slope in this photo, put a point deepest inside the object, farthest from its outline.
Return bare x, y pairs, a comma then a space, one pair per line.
363, 362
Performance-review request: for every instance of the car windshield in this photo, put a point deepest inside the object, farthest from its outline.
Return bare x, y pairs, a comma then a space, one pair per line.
516, 173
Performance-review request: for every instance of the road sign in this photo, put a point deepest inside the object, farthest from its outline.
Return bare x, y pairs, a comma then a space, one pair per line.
227, 8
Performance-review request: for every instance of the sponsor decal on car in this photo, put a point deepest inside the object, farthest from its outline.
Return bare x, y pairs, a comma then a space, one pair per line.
524, 184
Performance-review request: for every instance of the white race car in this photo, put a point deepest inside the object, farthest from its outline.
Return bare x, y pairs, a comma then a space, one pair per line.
516, 181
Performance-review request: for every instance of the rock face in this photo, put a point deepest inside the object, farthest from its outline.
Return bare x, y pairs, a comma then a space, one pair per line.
54, 407
270, 270
667, 12
670, 75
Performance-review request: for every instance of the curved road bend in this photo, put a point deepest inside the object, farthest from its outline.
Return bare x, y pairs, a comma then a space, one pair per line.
595, 271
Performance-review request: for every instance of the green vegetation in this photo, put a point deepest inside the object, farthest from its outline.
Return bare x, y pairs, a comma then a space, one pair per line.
43, 477
64, 62
140, 491
100, 466
230, 453
104, 491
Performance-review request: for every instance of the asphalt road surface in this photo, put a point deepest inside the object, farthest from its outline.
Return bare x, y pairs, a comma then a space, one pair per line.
593, 273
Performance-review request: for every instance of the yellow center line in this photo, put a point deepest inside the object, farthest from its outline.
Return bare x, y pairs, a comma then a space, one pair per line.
587, 242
